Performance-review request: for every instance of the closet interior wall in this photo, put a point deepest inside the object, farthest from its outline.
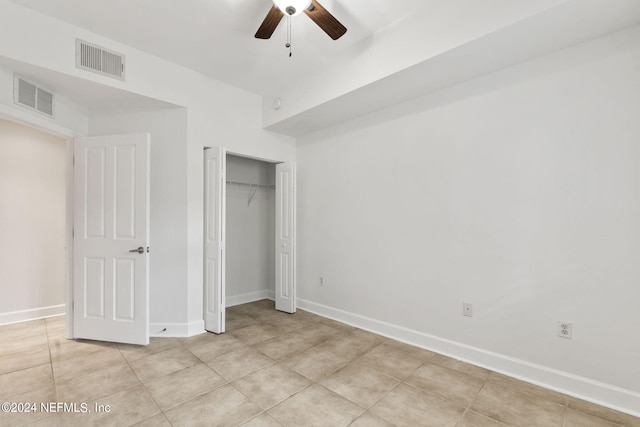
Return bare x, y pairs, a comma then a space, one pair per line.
250, 230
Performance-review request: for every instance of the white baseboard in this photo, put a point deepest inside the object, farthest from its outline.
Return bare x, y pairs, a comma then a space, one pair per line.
181, 330
249, 297
176, 330
32, 314
613, 397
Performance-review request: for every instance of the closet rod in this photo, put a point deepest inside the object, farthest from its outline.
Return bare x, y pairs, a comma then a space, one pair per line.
246, 184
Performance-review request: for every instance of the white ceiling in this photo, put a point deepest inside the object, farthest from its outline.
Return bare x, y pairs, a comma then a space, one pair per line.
216, 37
394, 49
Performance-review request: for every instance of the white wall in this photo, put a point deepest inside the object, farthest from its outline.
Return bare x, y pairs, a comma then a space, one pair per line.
250, 232
32, 223
517, 192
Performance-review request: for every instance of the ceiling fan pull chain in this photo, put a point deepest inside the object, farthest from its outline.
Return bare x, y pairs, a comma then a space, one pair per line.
289, 34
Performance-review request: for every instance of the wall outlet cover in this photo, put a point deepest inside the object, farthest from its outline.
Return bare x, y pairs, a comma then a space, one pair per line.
565, 329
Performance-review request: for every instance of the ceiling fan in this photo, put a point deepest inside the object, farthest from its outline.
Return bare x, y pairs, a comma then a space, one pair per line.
314, 10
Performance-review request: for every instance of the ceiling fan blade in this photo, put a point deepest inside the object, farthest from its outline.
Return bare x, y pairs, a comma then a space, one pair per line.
269, 24
325, 20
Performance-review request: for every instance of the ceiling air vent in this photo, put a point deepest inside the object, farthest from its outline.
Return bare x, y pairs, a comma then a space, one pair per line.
32, 96
99, 60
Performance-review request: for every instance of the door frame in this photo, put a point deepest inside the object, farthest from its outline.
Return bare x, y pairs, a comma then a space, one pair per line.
41, 124
69, 238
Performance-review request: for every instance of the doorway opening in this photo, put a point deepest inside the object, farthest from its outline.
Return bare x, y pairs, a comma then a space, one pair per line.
33, 222
38, 185
249, 234
250, 230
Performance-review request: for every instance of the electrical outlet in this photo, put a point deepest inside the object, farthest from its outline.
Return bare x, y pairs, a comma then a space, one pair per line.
565, 329
321, 280
467, 309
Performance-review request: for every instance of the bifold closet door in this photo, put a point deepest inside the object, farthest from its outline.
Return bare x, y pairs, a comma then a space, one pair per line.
286, 237
214, 238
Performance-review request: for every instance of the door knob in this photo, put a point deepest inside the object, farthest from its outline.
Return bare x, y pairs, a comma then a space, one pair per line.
140, 250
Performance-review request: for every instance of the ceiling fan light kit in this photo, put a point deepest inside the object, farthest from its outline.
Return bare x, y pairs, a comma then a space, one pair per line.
292, 7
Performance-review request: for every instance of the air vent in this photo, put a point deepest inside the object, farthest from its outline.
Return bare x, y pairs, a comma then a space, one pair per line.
99, 60
32, 96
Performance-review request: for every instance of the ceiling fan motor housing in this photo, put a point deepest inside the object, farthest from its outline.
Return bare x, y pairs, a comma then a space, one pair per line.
292, 7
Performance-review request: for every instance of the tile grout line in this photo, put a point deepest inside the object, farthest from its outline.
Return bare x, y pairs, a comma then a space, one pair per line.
566, 410
264, 411
162, 411
143, 386
382, 398
468, 408
53, 377
227, 382
400, 381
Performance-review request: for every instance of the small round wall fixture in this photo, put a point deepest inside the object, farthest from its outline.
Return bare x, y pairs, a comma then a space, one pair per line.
292, 7
276, 104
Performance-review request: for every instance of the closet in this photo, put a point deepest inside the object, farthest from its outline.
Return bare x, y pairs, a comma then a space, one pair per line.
250, 230
249, 234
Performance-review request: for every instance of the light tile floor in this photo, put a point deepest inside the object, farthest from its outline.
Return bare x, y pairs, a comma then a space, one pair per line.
269, 369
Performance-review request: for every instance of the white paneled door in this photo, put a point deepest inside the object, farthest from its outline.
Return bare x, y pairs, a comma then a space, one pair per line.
111, 238
285, 237
214, 233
